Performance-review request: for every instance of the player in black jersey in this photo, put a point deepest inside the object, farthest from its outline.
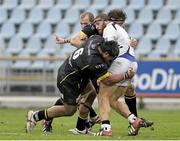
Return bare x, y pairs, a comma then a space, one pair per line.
91, 29
91, 61
86, 18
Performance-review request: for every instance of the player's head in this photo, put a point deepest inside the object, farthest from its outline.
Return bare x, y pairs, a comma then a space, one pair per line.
86, 18
100, 22
117, 15
109, 50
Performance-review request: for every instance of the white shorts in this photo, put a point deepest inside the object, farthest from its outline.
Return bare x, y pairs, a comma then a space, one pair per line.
121, 65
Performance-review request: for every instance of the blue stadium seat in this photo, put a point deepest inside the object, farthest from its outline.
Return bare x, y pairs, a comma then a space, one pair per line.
154, 31
39, 64
33, 46
25, 30
63, 4
45, 4
36, 15
7, 30
130, 15
136, 4
136, 30
53, 16
27, 4
3, 16
62, 29
68, 49
81, 4
50, 46
173, 4
15, 45
177, 17
100, 4
9, 4
155, 4
117, 4
164, 16
22, 64
144, 47
92, 10
172, 31
145, 16
76, 29
162, 47
18, 15
43, 30
72, 16
176, 50
2, 46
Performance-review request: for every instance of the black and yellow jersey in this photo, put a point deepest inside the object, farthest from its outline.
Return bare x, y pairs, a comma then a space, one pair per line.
85, 63
89, 30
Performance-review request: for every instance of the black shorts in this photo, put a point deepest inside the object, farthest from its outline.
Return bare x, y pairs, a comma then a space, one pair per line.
71, 92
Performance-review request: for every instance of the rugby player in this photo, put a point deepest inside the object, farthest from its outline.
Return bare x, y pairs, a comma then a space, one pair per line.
89, 62
85, 19
100, 23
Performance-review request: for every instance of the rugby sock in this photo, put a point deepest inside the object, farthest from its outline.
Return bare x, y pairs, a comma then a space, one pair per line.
41, 115
131, 103
131, 118
81, 124
106, 125
92, 112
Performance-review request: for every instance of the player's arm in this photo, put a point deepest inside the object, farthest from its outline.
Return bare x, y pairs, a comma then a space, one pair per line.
133, 42
110, 80
78, 39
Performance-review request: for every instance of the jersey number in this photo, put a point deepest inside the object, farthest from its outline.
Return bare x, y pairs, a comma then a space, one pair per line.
77, 53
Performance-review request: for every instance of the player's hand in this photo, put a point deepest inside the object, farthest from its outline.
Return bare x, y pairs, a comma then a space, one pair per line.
59, 40
133, 42
129, 74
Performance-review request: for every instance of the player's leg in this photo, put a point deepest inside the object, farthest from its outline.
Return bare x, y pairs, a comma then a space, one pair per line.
52, 112
130, 99
121, 108
47, 124
85, 107
104, 109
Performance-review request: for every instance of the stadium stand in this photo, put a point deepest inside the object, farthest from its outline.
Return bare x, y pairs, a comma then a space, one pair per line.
155, 4
81, 4
137, 4
27, 28
27, 4
18, 15
3, 16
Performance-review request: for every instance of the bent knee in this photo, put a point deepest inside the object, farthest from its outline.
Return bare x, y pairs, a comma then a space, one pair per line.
130, 90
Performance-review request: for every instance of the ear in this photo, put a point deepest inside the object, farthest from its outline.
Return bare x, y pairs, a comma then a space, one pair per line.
106, 54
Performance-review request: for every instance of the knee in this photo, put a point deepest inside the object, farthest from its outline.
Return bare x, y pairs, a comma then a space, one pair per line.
130, 90
84, 110
70, 111
112, 102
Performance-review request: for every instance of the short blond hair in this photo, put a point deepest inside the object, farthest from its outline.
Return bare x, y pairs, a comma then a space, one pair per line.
89, 14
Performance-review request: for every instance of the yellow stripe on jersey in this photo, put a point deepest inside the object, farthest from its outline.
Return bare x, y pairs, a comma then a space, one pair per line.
73, 73
104, 76
67, 76
82, 35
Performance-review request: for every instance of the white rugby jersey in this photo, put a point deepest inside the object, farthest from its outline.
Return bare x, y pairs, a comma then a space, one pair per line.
117, 33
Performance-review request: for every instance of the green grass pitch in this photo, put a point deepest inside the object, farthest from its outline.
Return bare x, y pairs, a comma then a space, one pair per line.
166, 127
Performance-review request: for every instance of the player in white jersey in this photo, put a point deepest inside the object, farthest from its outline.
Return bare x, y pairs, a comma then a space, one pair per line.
108, 96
